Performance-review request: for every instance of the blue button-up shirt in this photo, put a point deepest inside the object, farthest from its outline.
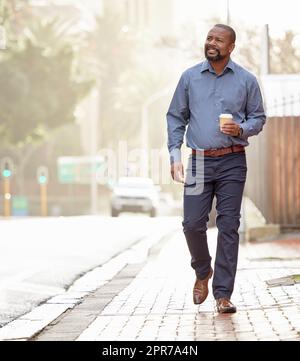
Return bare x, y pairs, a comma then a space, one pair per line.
201, 96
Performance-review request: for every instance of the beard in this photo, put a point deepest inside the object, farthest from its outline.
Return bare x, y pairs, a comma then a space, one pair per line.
216, 57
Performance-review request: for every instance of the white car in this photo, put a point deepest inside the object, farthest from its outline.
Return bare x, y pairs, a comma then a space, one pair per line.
134, 194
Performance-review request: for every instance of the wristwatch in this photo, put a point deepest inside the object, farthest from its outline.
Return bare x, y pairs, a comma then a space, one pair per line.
240, 133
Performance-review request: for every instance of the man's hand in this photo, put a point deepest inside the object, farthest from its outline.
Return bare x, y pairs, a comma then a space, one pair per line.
177, 172
232, 129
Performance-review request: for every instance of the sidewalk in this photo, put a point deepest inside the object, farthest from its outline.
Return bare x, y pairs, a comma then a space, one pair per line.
152, 300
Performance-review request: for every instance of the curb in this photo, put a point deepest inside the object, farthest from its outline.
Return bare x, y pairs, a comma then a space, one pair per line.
28, 325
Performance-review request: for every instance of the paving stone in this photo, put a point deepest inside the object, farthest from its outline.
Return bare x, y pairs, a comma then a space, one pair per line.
154, 302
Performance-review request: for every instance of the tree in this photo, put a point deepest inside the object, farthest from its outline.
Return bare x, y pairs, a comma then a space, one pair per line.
248, 51
285, 55
43, 87
284, 52
14, 16
140, 85
10, 11
112, 46
130, 69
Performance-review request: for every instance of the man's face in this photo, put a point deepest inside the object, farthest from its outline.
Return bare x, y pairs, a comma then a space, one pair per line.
218, 44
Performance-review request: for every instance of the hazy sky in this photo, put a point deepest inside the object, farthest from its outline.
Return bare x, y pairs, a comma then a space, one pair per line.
280, 15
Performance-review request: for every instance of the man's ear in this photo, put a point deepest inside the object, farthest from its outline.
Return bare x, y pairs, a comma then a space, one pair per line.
231, 47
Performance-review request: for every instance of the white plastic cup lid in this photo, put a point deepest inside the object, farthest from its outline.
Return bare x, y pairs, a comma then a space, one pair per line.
226, 115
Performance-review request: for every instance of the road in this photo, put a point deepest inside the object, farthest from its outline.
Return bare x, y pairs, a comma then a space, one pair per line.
41, 257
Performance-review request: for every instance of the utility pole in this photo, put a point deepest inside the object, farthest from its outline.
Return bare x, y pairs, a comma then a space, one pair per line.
6, 170
265, 51
228, 12
94, 117
42, 178
6, 192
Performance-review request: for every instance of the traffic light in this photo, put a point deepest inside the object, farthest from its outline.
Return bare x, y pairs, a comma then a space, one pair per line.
42, 175
6, 172
6, 166
42, 179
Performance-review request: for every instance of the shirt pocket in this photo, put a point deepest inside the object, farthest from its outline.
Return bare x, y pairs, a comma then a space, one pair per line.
234, 101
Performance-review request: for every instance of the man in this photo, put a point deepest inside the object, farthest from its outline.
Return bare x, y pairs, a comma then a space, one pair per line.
216, 85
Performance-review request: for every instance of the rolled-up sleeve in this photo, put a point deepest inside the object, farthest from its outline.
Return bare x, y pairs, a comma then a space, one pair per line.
255, 115
177, 118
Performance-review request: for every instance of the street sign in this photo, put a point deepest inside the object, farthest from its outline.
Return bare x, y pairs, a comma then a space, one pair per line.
78, 170
19, 206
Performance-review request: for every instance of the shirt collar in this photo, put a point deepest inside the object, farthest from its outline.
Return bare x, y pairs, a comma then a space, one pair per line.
207, 66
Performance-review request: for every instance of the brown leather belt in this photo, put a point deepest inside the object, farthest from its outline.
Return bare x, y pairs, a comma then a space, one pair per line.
219, 152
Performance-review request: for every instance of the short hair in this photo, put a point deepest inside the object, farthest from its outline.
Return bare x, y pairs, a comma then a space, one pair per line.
229, 29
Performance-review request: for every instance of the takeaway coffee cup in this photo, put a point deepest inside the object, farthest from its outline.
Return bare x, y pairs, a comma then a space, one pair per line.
225, 118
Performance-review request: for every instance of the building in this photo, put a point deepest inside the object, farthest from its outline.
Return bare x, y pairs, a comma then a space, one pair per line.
155, 17
80, 13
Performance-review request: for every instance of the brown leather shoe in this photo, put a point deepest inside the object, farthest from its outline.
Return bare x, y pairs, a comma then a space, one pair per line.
200, 290
225, 306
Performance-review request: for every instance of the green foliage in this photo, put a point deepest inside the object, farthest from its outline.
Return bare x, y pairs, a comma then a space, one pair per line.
14, 17
114, 50
140, 85
285, 55
8, 8
42, 85
130, 70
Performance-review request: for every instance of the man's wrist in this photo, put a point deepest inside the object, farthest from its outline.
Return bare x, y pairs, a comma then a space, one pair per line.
240, 131
175, 156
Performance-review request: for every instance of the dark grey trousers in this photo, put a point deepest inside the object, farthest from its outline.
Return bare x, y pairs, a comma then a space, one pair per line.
223, 177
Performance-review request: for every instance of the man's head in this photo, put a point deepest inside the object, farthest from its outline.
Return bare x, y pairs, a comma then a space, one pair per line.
219, 43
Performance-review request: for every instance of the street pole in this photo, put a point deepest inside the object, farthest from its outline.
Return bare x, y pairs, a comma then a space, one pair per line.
7, 197
42, 177
265, 51
44, 200
94, 115
228, 13
6, 166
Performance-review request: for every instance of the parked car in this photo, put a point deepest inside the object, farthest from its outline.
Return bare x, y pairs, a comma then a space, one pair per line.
135, 194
